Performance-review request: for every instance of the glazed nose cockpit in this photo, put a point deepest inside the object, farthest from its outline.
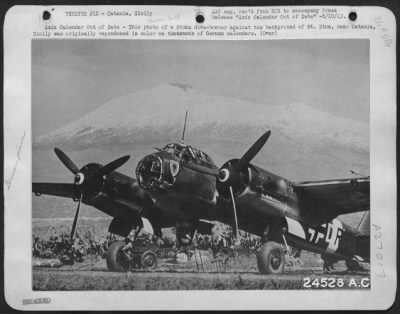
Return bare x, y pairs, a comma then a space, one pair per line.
149, 171
154, 170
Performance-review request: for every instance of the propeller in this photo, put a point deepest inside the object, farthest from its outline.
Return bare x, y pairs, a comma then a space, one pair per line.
223, 173
110, 167
252, 152
231, 174
84, 177
66, 161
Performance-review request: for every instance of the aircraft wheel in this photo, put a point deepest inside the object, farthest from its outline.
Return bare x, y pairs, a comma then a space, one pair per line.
38, 247
270, 258
149, 260
353, 264
116, 259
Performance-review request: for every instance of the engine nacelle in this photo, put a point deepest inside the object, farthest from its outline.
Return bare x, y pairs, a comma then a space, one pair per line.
254, 178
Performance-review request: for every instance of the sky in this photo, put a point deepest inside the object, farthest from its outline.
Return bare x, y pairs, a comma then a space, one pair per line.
73, 77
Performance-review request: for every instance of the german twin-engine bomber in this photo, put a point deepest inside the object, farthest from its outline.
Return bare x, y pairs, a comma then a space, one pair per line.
180, 186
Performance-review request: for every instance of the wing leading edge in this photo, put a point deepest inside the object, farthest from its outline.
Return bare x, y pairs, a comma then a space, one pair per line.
335, 197
56, 189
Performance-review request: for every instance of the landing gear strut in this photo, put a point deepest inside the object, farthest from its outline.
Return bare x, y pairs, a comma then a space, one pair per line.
328, 266
328, 262
185, 233
135, 252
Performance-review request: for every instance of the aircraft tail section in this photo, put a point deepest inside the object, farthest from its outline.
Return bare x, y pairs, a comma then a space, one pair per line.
363, 237
363, 228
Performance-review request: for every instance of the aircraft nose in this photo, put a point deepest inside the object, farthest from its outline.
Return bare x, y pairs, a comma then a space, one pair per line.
149, 171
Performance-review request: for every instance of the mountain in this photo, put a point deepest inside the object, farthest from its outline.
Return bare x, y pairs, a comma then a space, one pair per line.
157, 115
306, 144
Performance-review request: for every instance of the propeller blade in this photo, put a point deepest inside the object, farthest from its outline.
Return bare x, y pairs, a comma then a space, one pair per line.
252, 151
112, 165
76, 218
235, 227
203, 170
66, 161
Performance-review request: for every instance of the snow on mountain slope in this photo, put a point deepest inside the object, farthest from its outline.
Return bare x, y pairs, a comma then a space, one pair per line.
306, 144
158, 113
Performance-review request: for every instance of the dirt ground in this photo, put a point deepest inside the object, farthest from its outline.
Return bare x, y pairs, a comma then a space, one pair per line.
241, 274
46, 279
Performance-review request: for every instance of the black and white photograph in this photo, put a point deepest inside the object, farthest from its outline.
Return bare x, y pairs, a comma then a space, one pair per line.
199, 158
200, 164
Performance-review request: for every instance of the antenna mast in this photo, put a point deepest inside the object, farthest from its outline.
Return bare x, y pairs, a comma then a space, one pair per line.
184, 129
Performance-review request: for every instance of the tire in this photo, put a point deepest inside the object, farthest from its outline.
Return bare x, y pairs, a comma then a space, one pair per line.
353, 265
116, 261
149, 260
270, 258
38, 247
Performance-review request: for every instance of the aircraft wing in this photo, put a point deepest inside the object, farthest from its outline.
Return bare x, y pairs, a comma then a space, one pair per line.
334, 197
56, 189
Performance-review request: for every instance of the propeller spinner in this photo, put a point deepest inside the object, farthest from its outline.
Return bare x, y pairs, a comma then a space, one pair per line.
86, 177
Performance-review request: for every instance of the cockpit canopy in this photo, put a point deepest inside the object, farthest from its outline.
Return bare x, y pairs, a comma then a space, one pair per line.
189, 153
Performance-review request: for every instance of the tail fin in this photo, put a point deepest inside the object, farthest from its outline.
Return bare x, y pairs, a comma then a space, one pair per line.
363, 228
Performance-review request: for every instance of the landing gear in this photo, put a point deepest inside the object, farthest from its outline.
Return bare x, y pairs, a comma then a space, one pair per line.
139, 253
328, 262
353, 265
117, 260
328, 266
149, 260
271, 258
185, 233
